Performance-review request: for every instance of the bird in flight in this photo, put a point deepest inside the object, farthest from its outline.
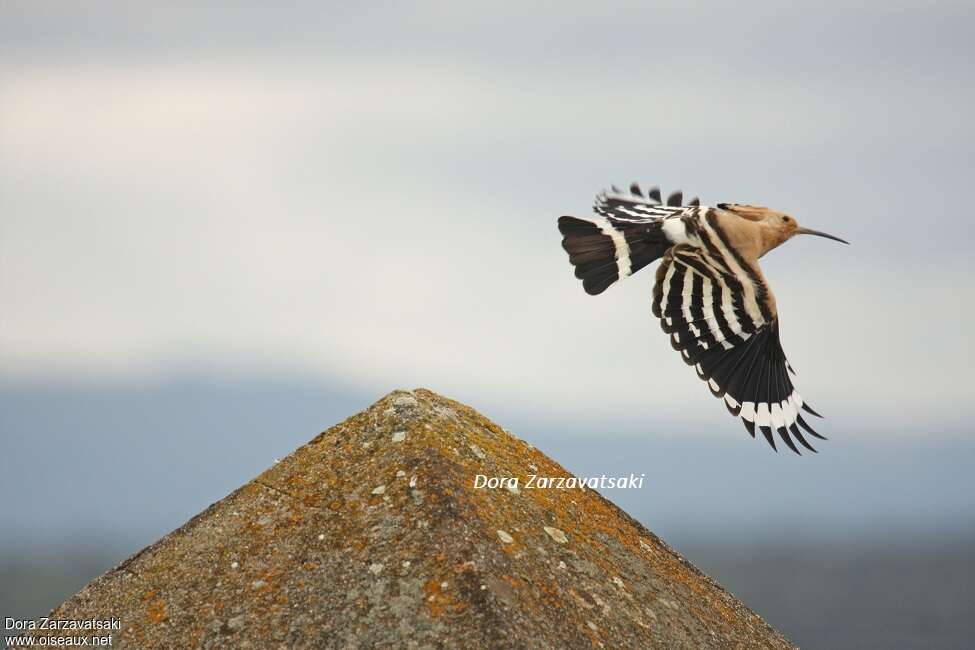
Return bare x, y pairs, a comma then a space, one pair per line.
710, 294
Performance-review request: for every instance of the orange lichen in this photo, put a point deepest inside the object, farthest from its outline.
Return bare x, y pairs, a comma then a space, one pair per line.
156, 611
440, 601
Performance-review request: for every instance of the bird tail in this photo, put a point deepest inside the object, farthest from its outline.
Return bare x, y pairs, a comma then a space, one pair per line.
605, 252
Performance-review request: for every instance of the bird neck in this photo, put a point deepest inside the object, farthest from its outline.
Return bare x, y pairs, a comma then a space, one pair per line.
748, 238
771, 237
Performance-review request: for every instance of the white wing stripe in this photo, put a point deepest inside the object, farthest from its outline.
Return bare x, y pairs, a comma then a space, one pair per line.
790, 411
763, 417
623, 266
686, 302
778, 420
709, 317
728, 308
665, 288
748, 411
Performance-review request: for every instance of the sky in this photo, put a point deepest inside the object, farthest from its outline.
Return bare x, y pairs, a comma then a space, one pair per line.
368, 195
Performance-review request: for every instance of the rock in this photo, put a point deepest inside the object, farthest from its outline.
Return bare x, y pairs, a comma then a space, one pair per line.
404, 401
556, 534
299, 558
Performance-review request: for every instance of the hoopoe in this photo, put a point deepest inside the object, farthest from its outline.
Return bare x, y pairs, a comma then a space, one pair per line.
710, 294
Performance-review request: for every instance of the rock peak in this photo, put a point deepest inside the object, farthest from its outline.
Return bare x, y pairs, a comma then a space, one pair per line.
373, 535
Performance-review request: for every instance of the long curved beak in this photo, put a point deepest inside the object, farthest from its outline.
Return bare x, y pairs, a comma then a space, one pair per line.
809, 231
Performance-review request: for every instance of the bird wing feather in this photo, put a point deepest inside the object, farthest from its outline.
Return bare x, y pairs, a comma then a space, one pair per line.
635, 206
712, 308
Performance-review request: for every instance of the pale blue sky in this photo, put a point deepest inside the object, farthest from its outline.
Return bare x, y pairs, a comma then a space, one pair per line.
368, 196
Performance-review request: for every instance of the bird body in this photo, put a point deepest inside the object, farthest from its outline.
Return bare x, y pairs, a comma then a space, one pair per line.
710, 294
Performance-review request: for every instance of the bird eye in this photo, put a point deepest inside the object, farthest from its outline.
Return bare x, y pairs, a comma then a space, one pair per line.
786, 219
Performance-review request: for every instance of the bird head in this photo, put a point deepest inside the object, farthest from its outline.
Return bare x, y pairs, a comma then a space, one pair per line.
776, 228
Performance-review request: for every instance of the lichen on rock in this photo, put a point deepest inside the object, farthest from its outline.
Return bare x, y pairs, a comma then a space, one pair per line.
332, 547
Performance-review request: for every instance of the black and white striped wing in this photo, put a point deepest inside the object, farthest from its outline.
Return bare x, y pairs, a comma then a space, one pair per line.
721, 323
636, 207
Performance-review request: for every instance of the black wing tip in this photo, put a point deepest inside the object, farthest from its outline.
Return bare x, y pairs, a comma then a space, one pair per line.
652, 194
809, 409
784, 434
749, 426
798, 436
809, 429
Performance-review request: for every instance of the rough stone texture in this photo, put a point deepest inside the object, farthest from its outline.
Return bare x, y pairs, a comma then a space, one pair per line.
313, 554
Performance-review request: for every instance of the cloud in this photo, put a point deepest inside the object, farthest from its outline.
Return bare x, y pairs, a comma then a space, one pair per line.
392, 223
